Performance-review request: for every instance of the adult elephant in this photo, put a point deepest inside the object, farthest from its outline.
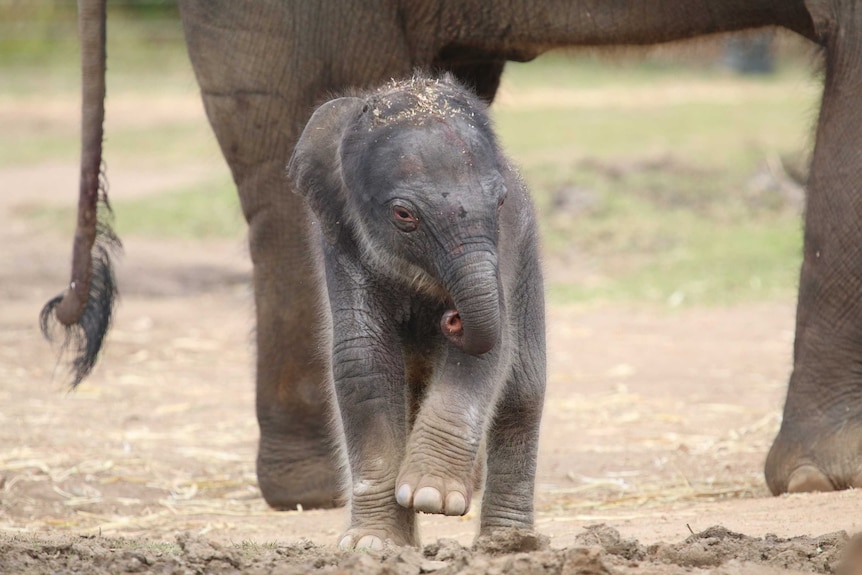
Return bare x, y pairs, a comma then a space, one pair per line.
262, 65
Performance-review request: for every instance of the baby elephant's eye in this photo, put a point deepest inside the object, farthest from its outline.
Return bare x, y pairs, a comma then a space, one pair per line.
504, 193
404, 219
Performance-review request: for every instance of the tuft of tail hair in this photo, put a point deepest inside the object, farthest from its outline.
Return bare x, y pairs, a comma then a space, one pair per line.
84, 338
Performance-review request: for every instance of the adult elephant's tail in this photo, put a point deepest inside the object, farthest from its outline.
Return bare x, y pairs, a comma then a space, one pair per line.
85, 308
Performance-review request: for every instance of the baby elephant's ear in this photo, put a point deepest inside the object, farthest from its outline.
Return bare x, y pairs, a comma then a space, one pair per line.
315, 167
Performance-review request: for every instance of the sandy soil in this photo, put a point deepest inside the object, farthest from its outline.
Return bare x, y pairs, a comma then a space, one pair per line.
656, 427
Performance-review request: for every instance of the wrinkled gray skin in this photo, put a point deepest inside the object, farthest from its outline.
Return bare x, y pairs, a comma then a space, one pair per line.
432, 272
262, 66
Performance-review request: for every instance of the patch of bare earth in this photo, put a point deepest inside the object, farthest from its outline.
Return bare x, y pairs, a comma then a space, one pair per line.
599, 551
655, 430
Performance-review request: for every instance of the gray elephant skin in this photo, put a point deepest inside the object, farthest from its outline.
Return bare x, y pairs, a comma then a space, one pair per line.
435, 293
262, 66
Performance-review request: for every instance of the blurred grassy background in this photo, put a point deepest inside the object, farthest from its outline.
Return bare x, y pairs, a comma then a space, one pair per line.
660, 177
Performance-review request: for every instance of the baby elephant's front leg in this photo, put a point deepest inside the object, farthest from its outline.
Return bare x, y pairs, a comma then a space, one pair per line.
374, 447
437, 475
373, 407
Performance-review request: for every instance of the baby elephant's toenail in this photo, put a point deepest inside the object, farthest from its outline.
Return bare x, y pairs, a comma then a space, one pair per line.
369, 542
456, 504
404, 495
428, 499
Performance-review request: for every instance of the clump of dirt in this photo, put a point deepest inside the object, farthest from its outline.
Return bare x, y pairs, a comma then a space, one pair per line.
717, 545
604, 552
185, 555
513, 552
851, 562
608, 539
511, 541
418, 100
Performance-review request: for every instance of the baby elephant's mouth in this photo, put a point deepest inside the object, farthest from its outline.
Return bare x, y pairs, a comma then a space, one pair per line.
452, 327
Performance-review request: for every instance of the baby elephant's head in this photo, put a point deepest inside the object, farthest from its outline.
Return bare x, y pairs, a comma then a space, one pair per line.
413, 176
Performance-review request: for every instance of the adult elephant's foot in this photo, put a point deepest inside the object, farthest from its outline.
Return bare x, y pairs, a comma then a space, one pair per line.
819, 446
815, 455
298, 468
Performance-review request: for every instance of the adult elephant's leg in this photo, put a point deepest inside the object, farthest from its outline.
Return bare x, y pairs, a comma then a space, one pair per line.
255, 120
261, 67
819, 446
479, 72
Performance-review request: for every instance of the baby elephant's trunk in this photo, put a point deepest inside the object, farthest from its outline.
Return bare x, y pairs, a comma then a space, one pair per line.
474, 324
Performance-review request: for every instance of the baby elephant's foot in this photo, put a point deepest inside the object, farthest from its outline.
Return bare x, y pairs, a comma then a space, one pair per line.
433, 491
358, 539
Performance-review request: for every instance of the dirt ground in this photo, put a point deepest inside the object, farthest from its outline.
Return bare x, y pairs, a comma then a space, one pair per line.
656, 426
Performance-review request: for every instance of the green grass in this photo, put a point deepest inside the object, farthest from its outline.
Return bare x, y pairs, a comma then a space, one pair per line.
662, 156
206, 210
39, 48
629, 67
33, 148
675, 258
666, 208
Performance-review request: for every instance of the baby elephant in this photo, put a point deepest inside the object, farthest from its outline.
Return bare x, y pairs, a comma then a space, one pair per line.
435, 291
